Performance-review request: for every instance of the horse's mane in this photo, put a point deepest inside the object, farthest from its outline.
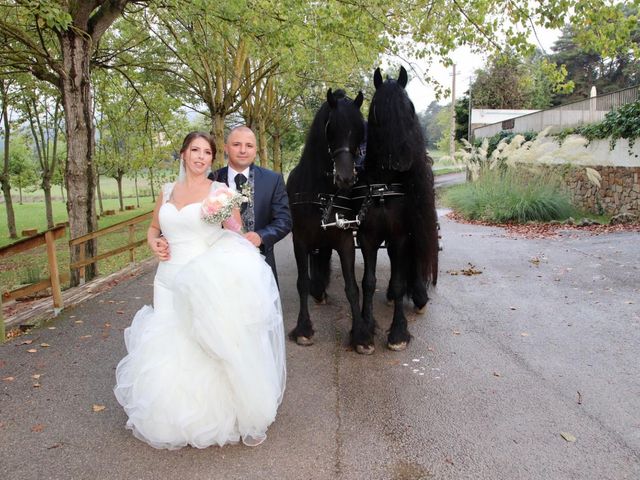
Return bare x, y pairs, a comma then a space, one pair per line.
314, 160
395, 138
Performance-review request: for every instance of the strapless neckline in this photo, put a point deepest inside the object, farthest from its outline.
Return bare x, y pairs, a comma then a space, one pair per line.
185, 206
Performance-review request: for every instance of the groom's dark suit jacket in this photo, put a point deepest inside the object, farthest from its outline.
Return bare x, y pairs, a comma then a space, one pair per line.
270, 206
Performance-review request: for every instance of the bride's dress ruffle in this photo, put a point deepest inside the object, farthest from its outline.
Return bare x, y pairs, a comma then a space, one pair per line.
211, 370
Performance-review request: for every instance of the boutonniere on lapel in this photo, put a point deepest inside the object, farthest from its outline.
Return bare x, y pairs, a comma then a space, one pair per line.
247, 193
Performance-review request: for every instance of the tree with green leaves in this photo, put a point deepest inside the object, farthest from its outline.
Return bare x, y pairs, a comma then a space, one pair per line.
41, 107
515, 82
7, 94
22, 168
56, 41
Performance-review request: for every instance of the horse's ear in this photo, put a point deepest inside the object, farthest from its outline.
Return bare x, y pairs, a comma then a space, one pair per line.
402, 78
377, 78
359, 99
331, 100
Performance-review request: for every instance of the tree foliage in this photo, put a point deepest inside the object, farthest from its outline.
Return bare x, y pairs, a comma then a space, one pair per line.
608, 70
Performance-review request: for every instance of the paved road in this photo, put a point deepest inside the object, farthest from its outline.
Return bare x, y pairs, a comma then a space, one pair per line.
543, 342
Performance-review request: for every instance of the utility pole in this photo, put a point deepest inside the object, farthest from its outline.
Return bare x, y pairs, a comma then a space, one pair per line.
452, 137
469, 108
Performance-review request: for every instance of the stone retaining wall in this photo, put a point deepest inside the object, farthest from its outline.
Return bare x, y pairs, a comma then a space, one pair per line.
619, 190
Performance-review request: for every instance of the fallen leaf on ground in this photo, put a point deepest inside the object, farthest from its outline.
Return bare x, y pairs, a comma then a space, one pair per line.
51, 328
85, 336
471, 270
55, 445
26, 342
524, 334
496, 374
107, 325
38, 427
32, 350
456, 332
36, 376
44, 345
8, 379
78, 321
98, 408
120, 312
568, 437
36, 385
512, 308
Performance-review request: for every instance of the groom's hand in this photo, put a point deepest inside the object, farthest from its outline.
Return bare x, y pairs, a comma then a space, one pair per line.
160, 248
254, 238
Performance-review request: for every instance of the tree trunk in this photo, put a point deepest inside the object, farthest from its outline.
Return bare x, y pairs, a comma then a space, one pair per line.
99, 195
46, 187
79, 173
20, 192
262, 148
135, 181
8, 202
119, 182
277, 153
153, 191
218, 132
4, 176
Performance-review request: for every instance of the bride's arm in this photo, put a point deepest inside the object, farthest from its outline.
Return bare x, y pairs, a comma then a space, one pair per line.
157, 243
233, 223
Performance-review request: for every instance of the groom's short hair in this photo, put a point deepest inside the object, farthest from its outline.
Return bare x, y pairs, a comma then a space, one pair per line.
236, 128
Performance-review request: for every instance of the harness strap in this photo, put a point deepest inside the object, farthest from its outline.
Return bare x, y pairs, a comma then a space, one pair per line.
377, 190
322, 200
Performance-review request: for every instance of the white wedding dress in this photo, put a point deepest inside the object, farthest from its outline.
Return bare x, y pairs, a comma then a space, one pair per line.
206, 365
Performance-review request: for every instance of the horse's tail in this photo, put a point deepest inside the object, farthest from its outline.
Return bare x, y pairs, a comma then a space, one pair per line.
423, 219
320, 273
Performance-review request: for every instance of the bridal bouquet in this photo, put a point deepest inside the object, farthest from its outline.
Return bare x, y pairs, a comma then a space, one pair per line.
218, 206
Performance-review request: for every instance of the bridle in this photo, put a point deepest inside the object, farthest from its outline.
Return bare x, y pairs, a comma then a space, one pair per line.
334, 153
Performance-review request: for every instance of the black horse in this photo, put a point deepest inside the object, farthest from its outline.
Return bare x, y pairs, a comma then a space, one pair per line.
318, 195
395, 195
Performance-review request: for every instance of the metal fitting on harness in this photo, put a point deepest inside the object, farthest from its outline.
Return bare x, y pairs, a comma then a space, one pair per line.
341, 222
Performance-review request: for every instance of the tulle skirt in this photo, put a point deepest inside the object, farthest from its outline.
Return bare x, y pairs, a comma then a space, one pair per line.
207, 366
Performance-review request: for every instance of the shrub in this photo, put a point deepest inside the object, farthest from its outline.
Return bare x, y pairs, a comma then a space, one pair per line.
511, 195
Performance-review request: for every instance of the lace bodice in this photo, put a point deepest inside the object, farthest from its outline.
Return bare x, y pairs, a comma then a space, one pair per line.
188, 235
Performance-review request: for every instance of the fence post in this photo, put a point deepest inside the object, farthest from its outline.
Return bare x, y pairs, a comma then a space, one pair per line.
2, 334
53, 272
132, 237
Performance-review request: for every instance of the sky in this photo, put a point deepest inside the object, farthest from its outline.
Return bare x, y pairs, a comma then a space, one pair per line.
467, 63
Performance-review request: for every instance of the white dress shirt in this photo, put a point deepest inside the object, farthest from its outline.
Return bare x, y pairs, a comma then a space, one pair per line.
231, 176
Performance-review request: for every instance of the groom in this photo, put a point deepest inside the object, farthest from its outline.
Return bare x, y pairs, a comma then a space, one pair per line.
266, 217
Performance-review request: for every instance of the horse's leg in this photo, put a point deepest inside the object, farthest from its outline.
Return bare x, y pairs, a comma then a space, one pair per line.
361, 335
369, 250
303, 332
320, 264
398, 336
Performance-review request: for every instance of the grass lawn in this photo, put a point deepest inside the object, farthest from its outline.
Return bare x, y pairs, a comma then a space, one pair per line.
31, 266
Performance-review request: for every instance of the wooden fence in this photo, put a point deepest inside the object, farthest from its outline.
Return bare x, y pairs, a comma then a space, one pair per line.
129, 225
55, 279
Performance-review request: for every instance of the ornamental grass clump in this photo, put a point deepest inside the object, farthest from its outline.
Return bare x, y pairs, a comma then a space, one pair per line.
509, 185
511, 195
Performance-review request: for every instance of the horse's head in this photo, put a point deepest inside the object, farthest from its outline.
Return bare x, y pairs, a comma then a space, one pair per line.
344, 131
394, 129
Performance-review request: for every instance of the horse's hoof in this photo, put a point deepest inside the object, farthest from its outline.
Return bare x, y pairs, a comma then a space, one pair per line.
321, 301
365, 349
397, 347
304, 341
420, 310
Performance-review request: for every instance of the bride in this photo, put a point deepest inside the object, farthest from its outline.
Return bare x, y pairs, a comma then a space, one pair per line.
206, 364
